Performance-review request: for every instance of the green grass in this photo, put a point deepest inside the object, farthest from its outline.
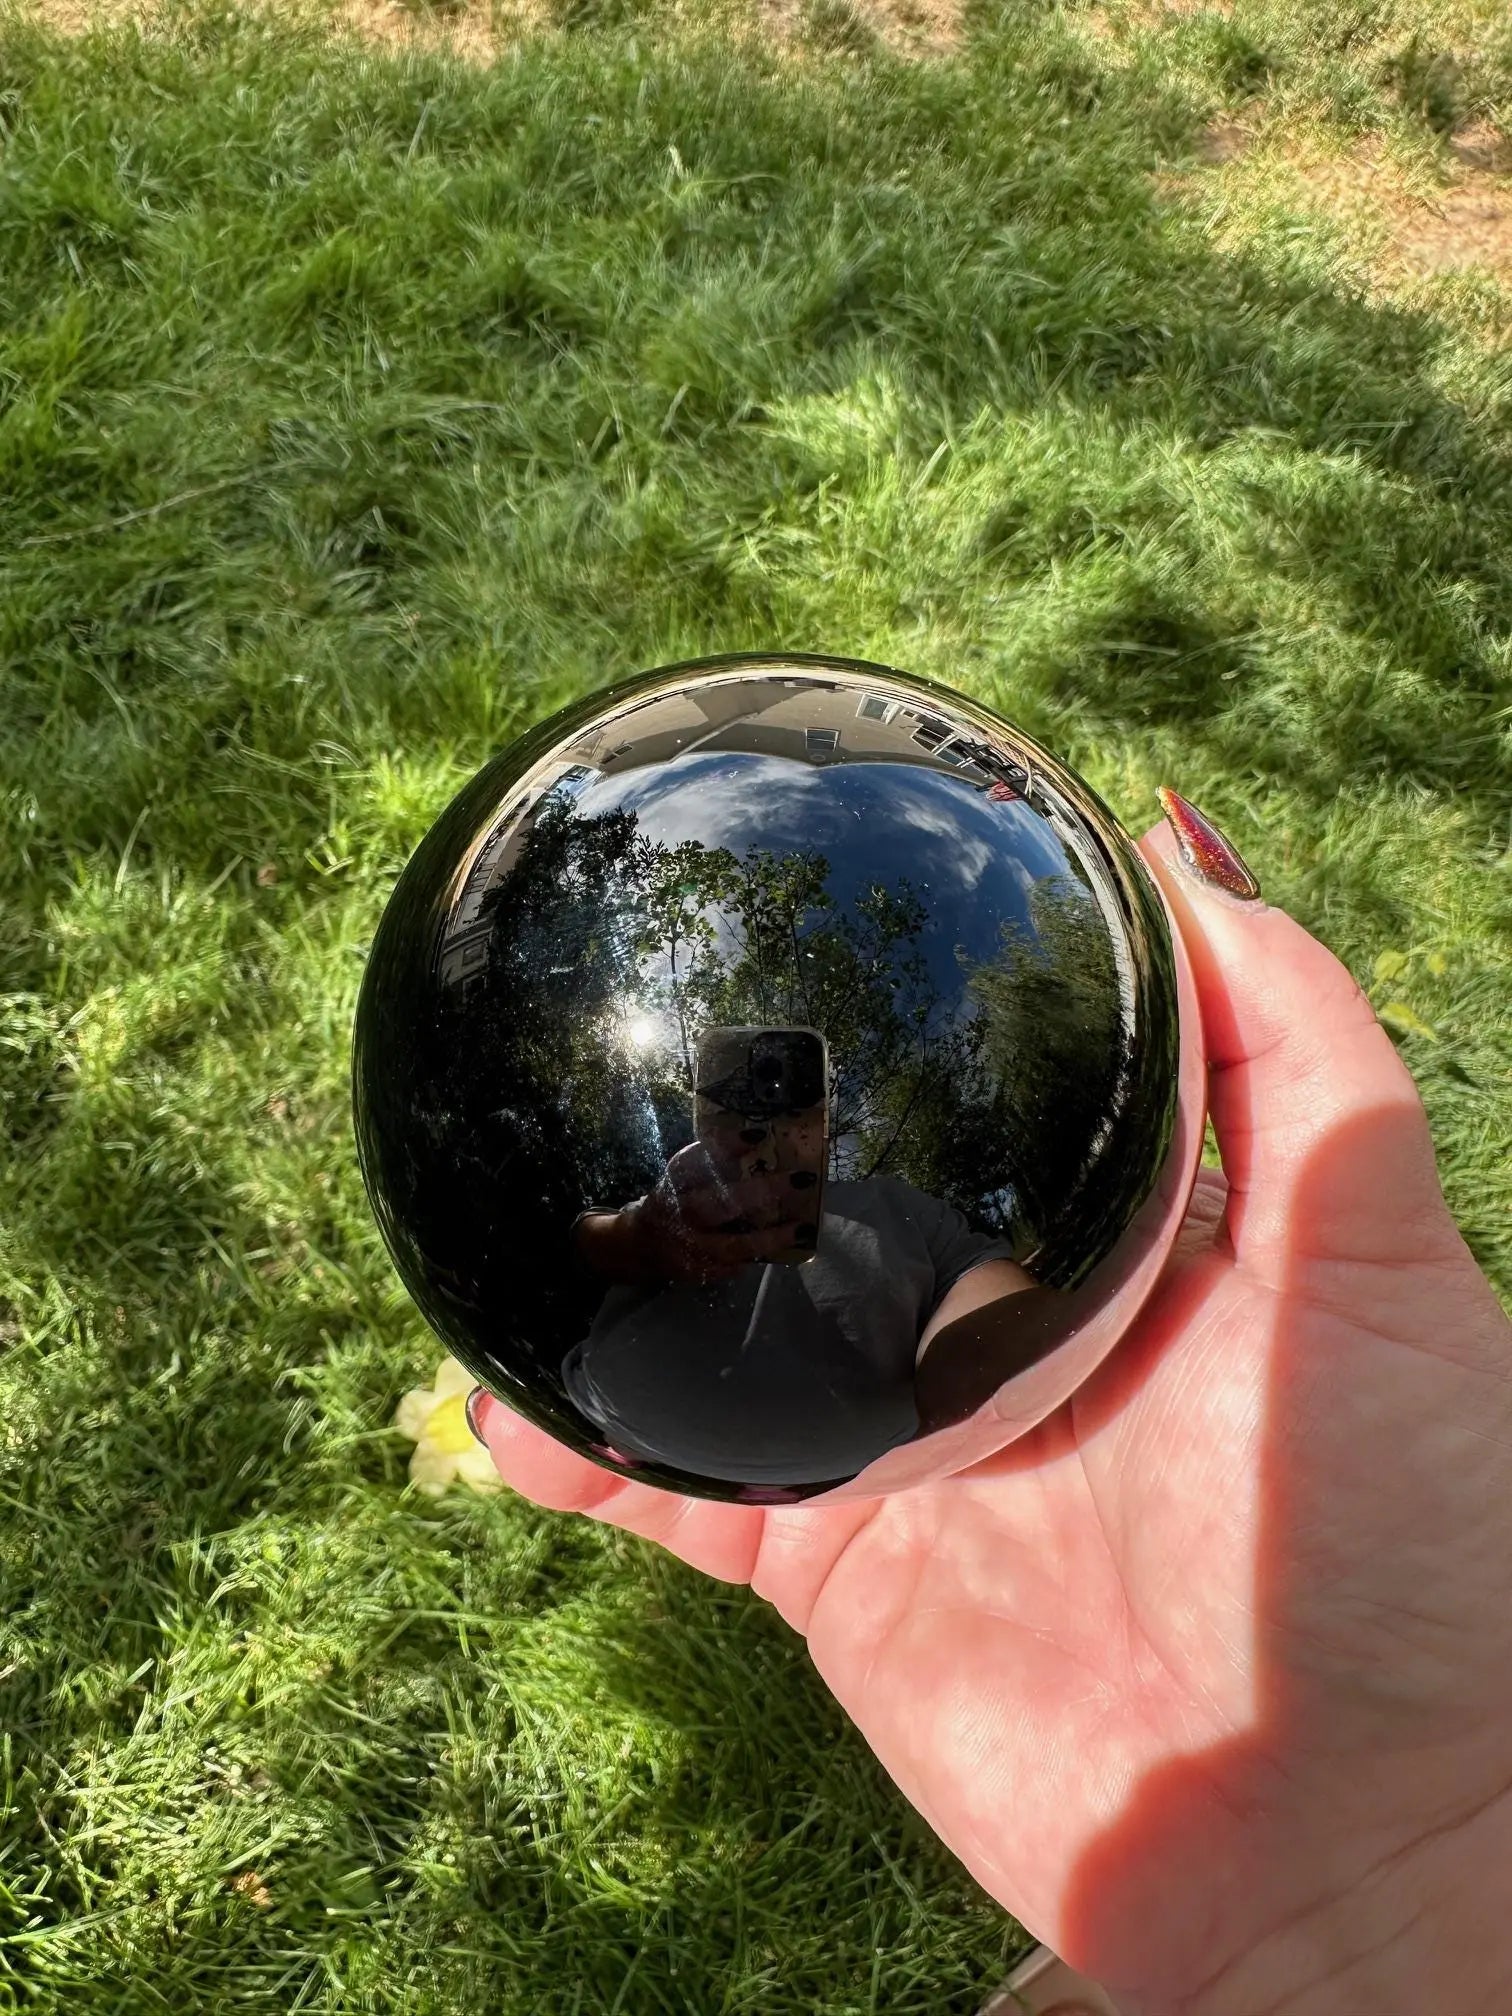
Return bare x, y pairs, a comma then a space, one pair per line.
354, 413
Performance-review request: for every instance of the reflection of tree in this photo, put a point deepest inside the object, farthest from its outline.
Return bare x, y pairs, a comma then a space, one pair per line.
989, 1095
563, 952
991, 1099
762, 939
596, 925
1052, 1039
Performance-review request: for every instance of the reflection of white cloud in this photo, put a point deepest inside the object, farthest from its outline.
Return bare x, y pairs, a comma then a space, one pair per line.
977, 839
965, 858
724, 801
955, 839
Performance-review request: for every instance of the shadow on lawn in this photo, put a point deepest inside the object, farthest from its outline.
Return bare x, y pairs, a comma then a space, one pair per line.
536, 478
529, 424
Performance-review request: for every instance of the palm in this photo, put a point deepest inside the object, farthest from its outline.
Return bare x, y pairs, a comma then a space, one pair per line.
1215, 1615
1004, 1639
1099, 1654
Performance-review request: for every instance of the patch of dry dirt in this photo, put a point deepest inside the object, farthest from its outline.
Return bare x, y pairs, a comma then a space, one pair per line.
1122, 18
76, 17
1468, 224
478, 33
915, 27
911, 28
1407, 223
481, 30
1222, 140
1483, 147
1472, 229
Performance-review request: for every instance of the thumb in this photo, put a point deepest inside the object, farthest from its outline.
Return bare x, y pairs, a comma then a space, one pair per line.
1297, 1060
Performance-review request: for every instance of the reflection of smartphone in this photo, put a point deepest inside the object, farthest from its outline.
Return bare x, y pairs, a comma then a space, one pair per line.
761, 1108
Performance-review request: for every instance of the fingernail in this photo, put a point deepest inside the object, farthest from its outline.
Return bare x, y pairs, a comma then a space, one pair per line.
1204, 851
473, 1411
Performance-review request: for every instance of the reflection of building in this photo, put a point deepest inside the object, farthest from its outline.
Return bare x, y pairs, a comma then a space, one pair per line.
805, 720
463, 949
798, 715
1003, 772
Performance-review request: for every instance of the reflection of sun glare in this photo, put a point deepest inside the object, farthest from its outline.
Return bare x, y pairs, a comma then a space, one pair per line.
640, 1030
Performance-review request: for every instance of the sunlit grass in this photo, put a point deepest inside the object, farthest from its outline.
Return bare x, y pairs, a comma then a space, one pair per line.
357, 410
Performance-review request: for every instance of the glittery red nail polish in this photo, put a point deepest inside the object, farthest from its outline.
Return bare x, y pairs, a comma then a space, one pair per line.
1203, 848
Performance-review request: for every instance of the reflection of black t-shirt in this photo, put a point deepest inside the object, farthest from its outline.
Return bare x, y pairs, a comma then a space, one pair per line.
822, 1384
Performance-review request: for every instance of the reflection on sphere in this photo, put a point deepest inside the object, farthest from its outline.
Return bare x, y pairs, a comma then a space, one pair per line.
777, 1077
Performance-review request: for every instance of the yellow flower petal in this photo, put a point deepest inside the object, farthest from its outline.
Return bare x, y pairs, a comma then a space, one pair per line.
414, 1410
431, 1469
453, 1378
447, 1428
475, 1467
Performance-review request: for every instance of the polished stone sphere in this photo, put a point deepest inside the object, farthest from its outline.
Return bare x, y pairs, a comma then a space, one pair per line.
778, 1078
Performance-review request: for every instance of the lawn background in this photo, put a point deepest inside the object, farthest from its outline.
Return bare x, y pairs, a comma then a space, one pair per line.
357, 408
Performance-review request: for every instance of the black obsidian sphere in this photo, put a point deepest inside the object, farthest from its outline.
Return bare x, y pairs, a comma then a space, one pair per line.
778, 1077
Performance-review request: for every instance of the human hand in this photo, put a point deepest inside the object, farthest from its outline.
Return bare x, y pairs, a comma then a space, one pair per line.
679, 1231
1207, 1680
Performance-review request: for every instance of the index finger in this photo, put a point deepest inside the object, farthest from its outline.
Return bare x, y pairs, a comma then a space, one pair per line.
1298, 1062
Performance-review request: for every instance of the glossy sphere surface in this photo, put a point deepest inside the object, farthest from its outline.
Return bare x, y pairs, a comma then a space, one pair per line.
778, 1078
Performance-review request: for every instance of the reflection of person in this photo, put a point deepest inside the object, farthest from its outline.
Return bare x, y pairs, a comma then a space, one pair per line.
699, 1348
1206, 1680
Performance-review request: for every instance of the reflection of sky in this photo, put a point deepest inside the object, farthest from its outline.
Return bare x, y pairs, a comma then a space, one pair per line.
971, 861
